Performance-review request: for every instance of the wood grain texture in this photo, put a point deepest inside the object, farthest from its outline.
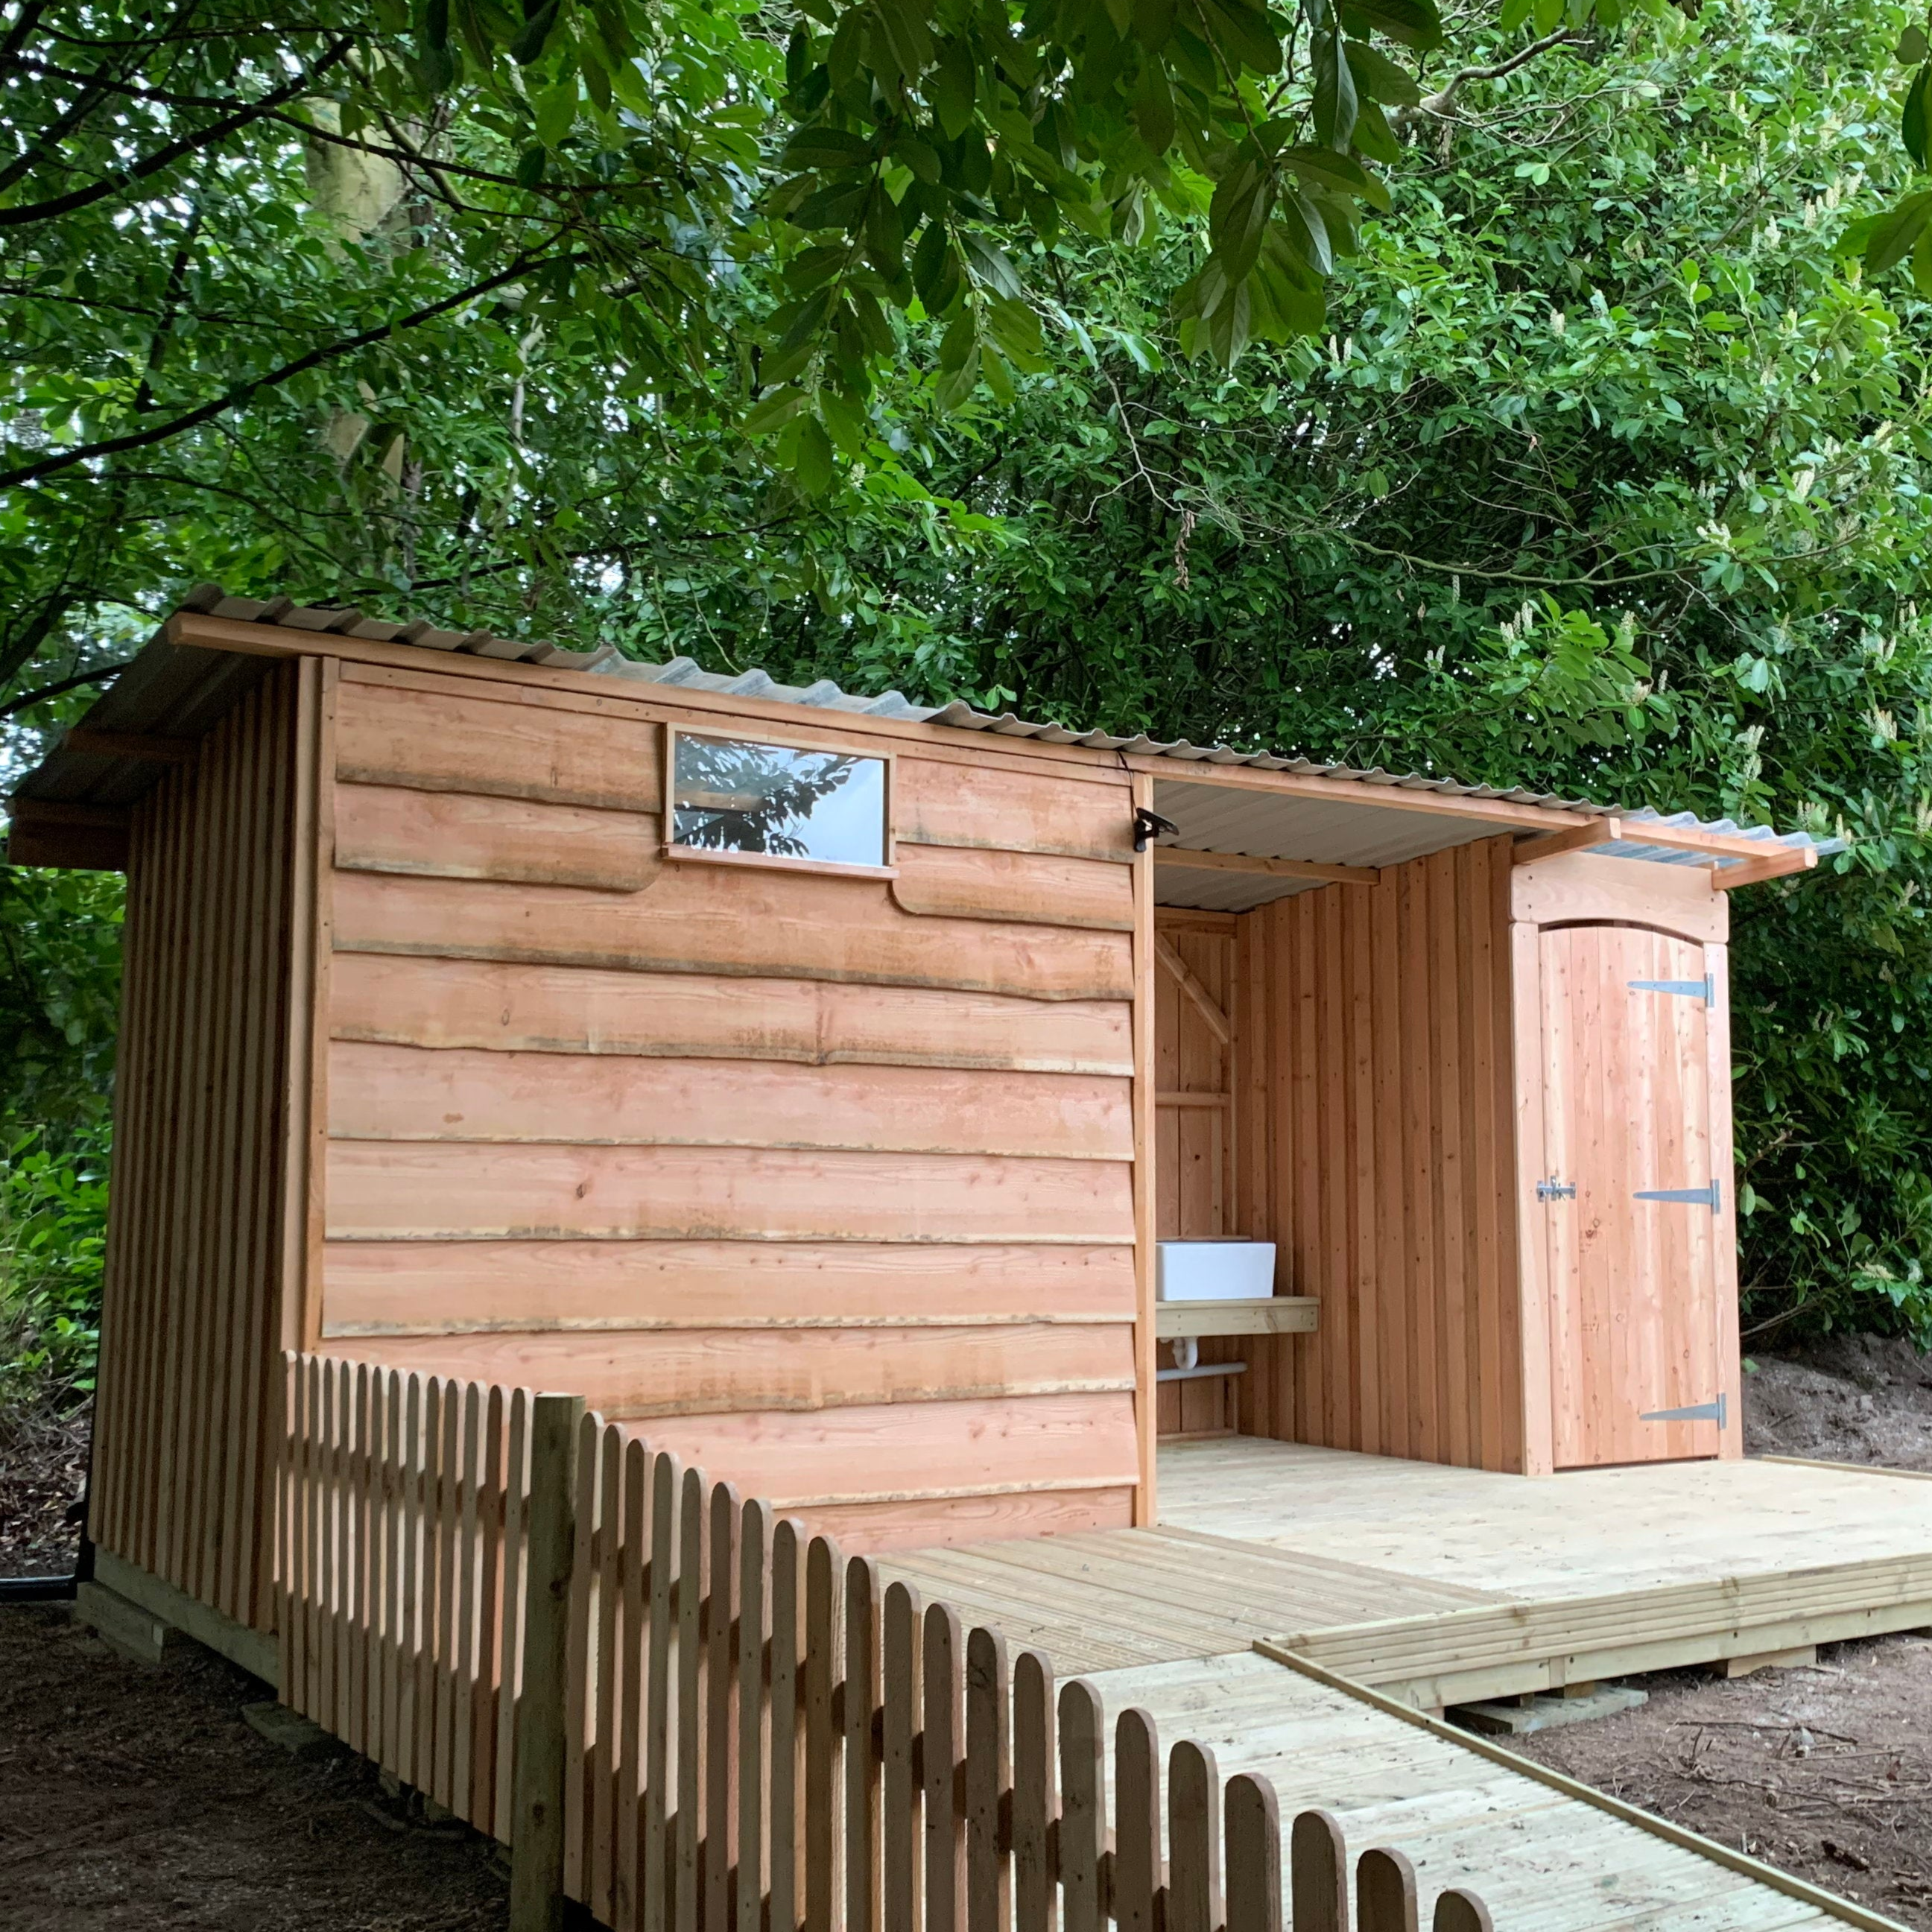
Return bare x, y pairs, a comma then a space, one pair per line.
699, 919
402, 1288
389, 1190
1634, 1315
194, 1292
1367, 1136
1580, 887
962, 882
446, 741
378, 1092
994, 808
906, 1452
698, 1371
453, 835
525, 1008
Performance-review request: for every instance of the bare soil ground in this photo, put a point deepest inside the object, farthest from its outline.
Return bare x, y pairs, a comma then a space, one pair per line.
1825, 1772
42, 1469
140, 1797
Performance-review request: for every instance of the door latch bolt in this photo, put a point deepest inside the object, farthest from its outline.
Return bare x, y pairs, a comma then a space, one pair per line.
1553, 1189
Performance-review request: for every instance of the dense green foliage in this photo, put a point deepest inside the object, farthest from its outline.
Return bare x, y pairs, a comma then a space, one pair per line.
60, 971
1607, 476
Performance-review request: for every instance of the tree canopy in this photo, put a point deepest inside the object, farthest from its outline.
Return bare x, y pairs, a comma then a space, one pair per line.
1594, 460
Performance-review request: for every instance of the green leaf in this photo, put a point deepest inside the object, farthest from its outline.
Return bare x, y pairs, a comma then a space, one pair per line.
1378, 78
1334, 92
772, 412
1921, 264
1897, 232
957, 385
1415, 23
919, 156
813, 467
1912, 120
1236, 216
530, 165
1244, 33
831, 147
951, 87
1913, 48
991, 267
1513, 14
1153, 106
1322, 167
929, 260
848, 43
1153, 23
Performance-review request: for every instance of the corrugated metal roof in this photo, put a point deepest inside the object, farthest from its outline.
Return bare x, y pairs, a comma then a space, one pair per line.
141, 700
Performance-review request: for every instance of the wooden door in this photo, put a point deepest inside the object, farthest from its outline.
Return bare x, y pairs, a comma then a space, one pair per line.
1628, 1112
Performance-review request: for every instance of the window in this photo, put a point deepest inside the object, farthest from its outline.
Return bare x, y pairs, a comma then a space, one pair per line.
734, 798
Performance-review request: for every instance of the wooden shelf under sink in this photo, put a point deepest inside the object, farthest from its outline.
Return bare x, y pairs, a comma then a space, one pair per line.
1278, 1315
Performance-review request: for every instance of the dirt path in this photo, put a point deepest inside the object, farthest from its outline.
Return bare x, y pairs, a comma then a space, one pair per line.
1825, 1771
140, 1798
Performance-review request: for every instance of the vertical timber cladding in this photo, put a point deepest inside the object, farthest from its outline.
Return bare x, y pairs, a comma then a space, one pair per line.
825, 1183
190, 1367
1372, 1115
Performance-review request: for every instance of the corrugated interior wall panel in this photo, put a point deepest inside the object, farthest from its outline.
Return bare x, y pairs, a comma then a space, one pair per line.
826, 1182
189, 1374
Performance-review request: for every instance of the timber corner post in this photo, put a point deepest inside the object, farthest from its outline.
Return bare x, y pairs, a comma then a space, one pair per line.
537, 1903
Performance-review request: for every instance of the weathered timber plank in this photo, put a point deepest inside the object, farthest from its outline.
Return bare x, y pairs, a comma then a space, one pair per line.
392, 1190
378, 1287
736, 920
632, 1377
450, 835
381, 1092
520, 1007
444, 741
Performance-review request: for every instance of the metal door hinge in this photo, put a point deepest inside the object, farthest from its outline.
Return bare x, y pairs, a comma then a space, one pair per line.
1553, 1189
1705, 989
1701, 1411
1710, 1197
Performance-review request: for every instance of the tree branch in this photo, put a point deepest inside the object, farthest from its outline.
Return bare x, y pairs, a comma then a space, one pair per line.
76, 199
1442, 102
14, 706
66, 459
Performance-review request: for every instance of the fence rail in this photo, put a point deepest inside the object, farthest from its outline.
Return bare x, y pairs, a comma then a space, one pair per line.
752, 1732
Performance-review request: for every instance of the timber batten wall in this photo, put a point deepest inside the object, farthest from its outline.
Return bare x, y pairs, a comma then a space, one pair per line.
192, 1304
1361, 1116
830, 1180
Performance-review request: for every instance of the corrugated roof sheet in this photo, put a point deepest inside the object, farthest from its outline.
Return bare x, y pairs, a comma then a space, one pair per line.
686, 673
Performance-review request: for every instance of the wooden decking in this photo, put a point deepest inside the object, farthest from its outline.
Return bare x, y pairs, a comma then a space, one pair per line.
1293, 1599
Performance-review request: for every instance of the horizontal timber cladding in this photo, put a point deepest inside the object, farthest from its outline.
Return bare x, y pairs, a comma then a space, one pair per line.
378, 1092
899, 1453
1381, 1153
386, 1190
697, 1371
190, 1371
730, 919
829, 1179
430, 1288
422, 1001
465, 835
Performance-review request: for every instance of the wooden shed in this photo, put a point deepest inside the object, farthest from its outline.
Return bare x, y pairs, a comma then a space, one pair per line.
809, 1080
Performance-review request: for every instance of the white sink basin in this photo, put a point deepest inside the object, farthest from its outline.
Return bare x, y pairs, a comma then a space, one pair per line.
1214, 1270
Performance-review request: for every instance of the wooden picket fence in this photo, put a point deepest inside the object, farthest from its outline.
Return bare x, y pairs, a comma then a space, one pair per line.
689, 1716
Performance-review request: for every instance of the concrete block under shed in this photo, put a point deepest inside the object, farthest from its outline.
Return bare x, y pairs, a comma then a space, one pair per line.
1545, 1714
299, 1736
125, 1628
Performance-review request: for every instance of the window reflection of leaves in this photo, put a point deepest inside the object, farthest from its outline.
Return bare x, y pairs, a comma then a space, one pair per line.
736, 797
